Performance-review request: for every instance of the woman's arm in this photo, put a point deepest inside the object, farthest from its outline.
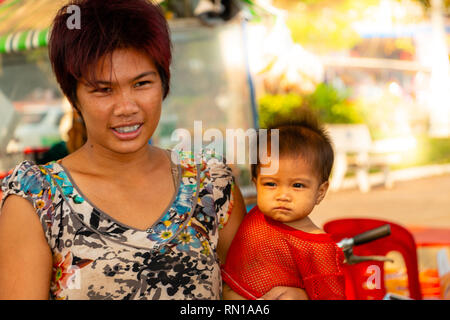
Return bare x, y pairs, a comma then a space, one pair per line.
25, 257
226, 235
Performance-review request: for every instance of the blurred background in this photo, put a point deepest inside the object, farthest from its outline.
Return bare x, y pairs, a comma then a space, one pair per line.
376, 72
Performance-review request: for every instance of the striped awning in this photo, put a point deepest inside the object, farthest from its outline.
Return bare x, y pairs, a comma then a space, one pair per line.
25, 40
24, 24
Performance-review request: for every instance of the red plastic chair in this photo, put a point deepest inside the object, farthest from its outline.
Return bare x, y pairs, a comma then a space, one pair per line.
365, 281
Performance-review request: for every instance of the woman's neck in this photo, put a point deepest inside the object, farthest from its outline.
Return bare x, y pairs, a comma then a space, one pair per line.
94, 159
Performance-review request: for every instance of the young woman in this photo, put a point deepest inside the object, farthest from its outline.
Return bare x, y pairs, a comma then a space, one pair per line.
117, 219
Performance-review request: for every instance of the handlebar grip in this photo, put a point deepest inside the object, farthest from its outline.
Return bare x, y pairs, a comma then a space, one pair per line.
371, 235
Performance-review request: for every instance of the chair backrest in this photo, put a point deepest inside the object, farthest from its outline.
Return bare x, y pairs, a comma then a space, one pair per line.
366, 280
350, 137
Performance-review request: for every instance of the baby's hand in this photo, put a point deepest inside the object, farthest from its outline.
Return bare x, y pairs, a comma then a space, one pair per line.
285, 293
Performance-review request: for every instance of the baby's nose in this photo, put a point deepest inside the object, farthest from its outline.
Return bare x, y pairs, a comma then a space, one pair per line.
284, 196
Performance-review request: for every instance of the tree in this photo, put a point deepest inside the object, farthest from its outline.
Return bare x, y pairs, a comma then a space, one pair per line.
323, 25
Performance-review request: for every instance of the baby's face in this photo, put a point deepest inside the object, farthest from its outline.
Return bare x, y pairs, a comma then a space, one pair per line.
291, 193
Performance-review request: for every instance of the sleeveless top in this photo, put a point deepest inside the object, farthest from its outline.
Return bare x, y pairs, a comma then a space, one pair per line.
266, 253
97, 257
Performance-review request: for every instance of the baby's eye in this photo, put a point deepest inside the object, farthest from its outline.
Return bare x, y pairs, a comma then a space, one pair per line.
269, 184
298, 185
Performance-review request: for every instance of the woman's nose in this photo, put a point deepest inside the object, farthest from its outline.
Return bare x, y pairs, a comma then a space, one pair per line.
125, 105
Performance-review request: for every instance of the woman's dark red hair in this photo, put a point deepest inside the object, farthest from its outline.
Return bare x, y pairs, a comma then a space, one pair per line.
105, 27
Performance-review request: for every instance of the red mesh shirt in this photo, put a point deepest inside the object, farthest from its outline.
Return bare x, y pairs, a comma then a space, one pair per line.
266, 253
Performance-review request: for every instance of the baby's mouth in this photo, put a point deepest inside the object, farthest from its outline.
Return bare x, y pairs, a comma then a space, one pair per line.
282, 208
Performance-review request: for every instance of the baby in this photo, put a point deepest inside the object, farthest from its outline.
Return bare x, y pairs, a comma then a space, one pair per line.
277, 244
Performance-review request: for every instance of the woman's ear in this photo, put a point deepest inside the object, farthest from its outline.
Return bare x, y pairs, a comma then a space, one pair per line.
323, 188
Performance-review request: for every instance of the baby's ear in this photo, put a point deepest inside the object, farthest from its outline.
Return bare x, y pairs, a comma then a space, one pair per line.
323, 188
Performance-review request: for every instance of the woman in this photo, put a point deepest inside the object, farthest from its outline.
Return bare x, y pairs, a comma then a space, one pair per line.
117, 219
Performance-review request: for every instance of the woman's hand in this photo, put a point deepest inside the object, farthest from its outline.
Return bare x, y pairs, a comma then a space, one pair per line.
285, 293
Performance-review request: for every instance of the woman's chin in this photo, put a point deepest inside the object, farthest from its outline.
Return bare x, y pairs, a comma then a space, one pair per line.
126, 147
131, 148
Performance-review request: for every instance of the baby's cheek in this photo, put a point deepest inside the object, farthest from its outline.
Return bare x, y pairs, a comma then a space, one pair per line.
263, 204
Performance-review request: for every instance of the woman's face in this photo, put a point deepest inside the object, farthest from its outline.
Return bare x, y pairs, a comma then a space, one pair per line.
122, 114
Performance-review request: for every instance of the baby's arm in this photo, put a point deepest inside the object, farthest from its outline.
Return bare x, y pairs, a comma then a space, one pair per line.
276, 293
229, 294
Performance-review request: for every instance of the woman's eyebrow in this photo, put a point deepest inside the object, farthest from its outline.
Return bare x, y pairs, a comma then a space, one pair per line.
142, 75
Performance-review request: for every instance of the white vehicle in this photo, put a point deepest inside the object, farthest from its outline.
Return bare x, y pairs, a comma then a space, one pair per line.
8, 122
38, 127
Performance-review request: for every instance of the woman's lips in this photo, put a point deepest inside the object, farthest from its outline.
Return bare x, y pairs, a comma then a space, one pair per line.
125, 136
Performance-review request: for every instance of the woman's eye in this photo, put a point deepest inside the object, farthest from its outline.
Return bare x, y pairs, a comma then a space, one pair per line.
142, 83
102, 90
298, 185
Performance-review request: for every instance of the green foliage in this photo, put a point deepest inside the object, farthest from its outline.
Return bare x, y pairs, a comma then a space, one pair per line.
428, 151
438, 149
328, 103
333, 106
277, 106
322, 33
427, 3
323, 25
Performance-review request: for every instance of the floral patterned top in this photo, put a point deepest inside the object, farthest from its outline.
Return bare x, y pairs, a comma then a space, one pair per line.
97, 257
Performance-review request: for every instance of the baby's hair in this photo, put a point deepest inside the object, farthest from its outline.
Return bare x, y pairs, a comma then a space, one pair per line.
302, 137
